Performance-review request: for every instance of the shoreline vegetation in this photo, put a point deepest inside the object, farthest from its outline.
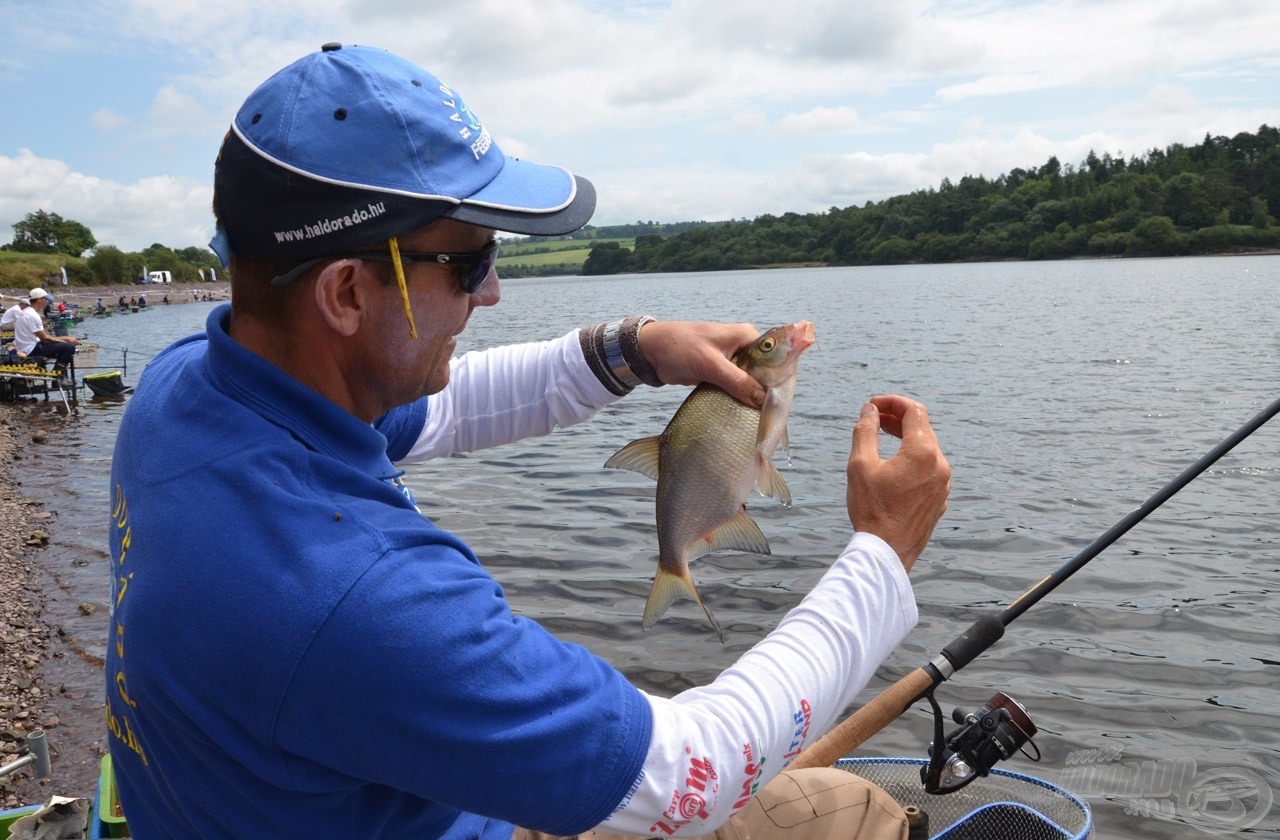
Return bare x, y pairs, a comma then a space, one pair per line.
1216, 197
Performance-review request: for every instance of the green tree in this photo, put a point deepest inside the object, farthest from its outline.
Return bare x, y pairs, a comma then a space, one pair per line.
1183, 200
892, 251
49, 233
1155, 236
1258, 215
607, 258
74, 238
201, 257
109, 265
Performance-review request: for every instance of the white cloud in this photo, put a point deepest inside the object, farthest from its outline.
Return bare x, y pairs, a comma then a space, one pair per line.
166, 209
821, 120
815, 31
676, 110
176, 113
104, 119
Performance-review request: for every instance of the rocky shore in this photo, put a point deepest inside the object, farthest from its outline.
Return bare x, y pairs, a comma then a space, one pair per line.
26, 701
29, 698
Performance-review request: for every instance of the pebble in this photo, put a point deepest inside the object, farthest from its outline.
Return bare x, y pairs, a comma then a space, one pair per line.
25, 526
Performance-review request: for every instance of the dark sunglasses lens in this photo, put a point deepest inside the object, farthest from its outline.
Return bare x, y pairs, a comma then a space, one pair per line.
472, 280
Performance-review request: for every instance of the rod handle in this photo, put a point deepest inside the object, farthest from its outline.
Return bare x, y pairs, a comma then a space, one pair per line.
858, 727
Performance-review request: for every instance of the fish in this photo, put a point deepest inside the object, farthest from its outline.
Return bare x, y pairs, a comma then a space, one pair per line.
706, 462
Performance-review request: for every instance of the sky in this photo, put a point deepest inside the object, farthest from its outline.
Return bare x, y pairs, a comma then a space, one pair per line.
677, 110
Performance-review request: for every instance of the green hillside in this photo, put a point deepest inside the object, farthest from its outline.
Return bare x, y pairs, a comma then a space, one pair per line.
540, 257
25, 271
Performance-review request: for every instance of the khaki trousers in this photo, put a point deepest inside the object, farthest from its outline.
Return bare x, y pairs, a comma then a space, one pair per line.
820, 803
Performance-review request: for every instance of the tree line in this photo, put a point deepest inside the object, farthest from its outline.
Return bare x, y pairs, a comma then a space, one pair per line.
638, 228
1219, 196
41, 232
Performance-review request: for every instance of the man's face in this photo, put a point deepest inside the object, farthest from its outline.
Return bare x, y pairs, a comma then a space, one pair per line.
408, 368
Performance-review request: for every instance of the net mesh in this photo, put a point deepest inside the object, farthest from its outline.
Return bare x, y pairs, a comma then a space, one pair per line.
1002, 806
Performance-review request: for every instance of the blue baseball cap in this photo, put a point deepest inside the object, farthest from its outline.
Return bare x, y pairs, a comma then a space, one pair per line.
352, 145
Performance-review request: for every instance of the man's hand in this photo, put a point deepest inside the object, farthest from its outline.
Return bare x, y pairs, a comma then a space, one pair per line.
899, 499
693, 352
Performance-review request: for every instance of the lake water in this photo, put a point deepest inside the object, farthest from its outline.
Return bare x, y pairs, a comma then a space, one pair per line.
1064, 395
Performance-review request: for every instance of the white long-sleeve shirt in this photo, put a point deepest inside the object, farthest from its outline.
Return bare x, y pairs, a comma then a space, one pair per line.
712, 746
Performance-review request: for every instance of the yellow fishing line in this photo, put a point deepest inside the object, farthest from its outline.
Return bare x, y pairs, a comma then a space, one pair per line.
404, 289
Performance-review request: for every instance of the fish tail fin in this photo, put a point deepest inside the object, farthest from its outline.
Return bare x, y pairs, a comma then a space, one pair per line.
666, 588
771, 484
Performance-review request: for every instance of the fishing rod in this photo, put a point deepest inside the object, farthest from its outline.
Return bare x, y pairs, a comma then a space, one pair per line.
1000, 727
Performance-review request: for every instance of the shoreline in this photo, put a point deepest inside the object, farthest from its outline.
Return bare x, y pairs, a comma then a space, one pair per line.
86, 297
27, 702
30, 647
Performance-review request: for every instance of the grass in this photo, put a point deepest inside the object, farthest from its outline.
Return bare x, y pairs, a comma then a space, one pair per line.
575, 257
525, 249
25, 271
570, 253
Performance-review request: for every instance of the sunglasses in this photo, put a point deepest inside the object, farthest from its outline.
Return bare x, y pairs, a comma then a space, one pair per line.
473, 267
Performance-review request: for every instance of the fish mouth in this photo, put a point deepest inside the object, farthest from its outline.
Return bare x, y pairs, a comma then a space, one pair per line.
801, 335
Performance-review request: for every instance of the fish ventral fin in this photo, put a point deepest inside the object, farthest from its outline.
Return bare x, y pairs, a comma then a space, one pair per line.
638, 456
666, 588
770, 484
741, 533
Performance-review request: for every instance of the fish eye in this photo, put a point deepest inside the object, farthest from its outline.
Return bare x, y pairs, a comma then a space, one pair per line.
767, 345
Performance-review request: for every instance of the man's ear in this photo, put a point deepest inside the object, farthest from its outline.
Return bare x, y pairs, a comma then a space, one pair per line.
341, 293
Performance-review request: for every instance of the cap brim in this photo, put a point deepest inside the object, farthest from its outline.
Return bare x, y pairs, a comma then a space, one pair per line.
530, 198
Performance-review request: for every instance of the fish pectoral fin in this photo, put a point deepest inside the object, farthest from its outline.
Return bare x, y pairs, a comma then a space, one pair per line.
770, 484
638, 456
666, 588
741, 533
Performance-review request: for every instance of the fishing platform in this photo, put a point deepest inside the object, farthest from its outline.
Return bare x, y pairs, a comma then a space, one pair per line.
36, 376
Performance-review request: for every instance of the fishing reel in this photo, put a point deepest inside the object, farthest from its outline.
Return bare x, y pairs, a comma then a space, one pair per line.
991, 734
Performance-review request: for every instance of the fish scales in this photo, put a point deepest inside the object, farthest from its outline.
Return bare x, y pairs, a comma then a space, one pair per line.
714, 450
711, 437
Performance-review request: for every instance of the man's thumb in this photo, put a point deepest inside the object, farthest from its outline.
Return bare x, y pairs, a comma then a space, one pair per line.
866, 431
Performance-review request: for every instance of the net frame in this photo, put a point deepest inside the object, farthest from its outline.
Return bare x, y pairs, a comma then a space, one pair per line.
1002, 806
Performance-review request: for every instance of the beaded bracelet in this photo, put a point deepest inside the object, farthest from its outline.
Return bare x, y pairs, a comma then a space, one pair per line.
613, 353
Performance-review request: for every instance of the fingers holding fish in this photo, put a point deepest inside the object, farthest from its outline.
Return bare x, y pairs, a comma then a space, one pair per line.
711, 455
901, 498
694, 352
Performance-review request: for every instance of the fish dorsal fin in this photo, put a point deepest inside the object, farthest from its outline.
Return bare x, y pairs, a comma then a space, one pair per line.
638, 456
770, 484
741, 533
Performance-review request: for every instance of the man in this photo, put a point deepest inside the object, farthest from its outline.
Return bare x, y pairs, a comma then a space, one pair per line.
297, 652
30, 338
10, 315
